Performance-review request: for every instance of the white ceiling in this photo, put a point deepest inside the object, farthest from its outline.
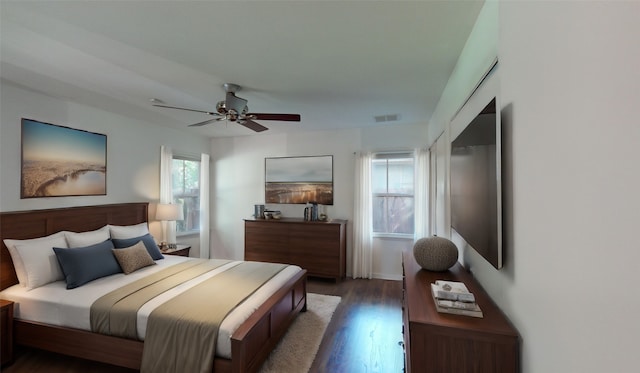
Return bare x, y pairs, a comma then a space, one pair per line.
337, 63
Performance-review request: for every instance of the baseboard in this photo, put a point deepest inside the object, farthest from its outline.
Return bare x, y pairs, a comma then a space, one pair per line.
387, 276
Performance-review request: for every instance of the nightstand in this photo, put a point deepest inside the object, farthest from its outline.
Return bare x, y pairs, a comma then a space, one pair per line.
180, 250
6, 328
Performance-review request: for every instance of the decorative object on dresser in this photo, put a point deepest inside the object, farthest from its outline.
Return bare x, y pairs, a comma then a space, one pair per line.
6, 328
453, 297
435, 253
311, 212
452, 290
318, 247
442, 342
258, 211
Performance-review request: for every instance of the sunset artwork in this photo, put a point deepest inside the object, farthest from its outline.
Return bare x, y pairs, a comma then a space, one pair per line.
299, 180
61, 161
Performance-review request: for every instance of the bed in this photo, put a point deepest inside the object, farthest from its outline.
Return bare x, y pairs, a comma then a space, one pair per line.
250, 343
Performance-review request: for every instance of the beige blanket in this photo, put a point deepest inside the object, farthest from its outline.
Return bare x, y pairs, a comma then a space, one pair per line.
181, 333
115, 313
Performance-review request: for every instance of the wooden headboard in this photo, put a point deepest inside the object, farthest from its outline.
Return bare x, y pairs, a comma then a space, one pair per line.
38, 223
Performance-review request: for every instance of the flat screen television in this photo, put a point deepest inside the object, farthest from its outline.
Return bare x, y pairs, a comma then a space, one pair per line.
476, 193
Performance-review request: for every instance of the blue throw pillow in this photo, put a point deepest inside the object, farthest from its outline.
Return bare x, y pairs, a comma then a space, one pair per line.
83, 264
147, 240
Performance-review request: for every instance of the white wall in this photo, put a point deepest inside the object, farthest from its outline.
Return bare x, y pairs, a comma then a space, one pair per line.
133, 151
238, 182
569, 91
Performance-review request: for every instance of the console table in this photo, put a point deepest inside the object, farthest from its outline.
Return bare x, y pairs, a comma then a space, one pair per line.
317, 246
439, 342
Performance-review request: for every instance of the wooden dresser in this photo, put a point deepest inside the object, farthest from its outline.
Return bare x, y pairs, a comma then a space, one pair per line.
319, 247
437, 342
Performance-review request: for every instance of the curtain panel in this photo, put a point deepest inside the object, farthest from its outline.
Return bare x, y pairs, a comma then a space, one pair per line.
362, 218
421, 194
166, 189
204, 206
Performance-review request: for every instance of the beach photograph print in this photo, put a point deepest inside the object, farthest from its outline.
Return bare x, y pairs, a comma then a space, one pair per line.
299, 180
60, 161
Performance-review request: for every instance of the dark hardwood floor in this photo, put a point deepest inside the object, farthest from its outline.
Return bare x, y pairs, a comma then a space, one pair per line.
366, 328
363, 336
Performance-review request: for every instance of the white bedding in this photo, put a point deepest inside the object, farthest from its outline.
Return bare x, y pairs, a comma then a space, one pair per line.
54, 304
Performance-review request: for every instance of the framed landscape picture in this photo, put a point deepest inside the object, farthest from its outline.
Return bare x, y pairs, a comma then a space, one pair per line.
60, 161
299, 179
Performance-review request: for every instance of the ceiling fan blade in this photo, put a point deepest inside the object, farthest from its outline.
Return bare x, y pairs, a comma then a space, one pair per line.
252, 125
205, 122
233, 102
268, 116
181, 108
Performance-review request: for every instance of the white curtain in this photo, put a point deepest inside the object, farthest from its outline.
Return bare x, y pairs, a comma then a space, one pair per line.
362, 221
421, 197
204, 206
166, 192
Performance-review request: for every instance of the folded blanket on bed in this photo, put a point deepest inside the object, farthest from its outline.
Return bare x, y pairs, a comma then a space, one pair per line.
181, 334
115, 313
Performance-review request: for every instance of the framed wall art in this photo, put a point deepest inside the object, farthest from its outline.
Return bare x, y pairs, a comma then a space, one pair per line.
60, 161
299, 179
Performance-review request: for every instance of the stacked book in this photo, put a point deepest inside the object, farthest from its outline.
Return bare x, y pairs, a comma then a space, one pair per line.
454, 297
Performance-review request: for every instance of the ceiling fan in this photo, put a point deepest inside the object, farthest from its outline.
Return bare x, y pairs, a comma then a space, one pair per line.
234, 109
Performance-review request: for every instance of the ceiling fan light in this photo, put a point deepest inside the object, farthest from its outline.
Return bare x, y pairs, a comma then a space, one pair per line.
221, 107
232, 115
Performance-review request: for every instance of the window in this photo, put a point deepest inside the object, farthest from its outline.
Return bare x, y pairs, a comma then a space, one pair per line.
392, 186
186, 191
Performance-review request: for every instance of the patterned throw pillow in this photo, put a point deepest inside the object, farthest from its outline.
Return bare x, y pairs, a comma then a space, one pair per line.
133, 258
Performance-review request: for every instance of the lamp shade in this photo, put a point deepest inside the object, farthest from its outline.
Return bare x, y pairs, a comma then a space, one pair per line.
169, 212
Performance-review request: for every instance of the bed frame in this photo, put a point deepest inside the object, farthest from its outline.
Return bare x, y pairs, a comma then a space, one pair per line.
250, 344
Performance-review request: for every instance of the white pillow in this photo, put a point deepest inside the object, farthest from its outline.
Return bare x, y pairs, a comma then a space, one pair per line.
83, 239
40, 262
128, 231
18, 265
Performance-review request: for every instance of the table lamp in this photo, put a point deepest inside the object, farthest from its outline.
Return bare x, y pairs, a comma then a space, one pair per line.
167, 212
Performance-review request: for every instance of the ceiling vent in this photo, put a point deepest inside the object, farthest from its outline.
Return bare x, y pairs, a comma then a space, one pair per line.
387, 118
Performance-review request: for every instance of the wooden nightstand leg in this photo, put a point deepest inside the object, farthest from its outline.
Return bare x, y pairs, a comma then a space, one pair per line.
6, 330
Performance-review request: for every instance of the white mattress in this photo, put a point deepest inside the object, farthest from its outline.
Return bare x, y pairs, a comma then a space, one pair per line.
54, 304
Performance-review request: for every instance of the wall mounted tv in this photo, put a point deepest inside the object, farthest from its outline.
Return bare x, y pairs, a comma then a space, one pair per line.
294, 180
476, 191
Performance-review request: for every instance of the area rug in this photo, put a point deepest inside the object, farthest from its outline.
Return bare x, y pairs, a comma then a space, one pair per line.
298, 347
